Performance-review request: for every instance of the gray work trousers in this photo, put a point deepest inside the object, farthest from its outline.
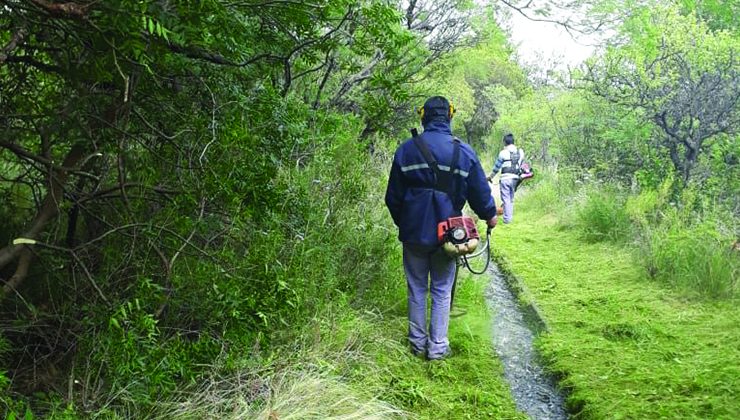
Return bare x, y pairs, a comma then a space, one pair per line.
508, 186
422, 264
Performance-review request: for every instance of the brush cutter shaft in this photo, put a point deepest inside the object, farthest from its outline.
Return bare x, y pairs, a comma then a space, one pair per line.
464, 261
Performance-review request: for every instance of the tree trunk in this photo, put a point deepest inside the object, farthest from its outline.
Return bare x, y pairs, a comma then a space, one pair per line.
691, 155
49, 206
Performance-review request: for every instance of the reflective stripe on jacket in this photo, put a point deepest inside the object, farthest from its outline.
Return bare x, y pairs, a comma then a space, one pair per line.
414, 204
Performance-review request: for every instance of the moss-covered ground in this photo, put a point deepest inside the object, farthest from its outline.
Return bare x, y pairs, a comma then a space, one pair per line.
625, 346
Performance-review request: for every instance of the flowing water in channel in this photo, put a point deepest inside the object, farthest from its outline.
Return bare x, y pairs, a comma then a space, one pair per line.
534, 391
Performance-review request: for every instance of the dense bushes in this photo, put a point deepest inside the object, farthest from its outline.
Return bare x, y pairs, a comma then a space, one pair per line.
325, 241
318, 238
197, 178
257, 232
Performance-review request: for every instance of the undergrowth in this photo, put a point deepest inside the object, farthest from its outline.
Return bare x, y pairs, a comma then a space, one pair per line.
694, 259
348, 363
310, 235
310, 322
601, 217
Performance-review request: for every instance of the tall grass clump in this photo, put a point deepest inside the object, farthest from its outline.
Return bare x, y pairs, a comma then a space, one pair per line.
602, 216
693, 258
548, 192
288, 395
685, 240
542, 197
326, 369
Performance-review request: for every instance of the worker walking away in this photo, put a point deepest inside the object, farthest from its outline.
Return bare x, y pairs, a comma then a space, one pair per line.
509, 161
432, 176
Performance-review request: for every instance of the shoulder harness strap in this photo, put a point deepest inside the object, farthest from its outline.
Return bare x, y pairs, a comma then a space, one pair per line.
445, 182
454, 166
431, 161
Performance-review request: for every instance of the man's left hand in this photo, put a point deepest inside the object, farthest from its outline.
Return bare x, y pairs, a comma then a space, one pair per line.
492, 222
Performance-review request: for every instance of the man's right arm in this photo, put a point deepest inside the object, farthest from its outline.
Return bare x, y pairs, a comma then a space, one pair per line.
395, 192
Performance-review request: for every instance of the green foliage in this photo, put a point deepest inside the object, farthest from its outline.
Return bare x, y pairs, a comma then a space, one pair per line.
718, 14
480, 80
582, 132
602, 216
718, 174
685, 244
321, 242
694, 258
201, 176
680, 75
646, 208
669, 74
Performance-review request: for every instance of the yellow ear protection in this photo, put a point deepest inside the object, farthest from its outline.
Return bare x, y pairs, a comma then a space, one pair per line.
450, 112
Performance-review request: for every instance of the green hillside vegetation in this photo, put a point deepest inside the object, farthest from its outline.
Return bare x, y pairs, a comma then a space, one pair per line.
193, 221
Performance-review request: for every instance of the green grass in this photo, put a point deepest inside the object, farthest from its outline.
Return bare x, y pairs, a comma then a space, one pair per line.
469, 385
626, 346
693, 259
602, 217
355, 363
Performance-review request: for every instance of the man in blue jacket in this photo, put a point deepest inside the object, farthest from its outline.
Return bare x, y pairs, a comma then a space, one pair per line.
417, 204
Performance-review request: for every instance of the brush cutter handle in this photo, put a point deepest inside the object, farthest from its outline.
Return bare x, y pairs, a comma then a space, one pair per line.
492, 222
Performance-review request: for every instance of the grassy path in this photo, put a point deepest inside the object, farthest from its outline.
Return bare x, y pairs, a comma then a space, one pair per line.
625, 346
469, 385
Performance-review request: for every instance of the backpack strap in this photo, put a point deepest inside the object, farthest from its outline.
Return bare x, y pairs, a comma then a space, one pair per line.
448, 181
454, 166
431, 161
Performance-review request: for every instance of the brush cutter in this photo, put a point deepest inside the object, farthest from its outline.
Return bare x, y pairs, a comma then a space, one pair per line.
464, 261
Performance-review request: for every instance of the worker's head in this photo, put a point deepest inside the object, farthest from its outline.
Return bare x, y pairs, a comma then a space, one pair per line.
509, 139
436, 108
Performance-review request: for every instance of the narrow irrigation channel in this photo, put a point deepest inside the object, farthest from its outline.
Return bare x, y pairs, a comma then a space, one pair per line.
534, 391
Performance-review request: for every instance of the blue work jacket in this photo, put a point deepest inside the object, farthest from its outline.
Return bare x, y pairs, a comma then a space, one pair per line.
415, 205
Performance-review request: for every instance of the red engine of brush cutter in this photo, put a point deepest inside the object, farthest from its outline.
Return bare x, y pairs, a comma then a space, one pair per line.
525, 172
457, 230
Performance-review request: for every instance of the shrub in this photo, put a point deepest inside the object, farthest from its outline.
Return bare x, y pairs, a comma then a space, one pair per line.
693, 258
602, 216
647, 207
547, 191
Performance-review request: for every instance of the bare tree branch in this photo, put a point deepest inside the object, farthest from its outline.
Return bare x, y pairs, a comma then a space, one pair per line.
15, 39
69, 10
